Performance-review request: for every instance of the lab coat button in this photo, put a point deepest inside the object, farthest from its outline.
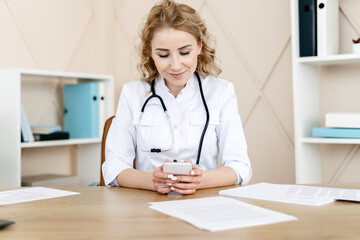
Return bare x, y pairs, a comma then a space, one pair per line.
176, 127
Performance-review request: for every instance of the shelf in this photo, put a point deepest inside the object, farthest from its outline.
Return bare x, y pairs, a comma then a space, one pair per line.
330, 140
15, 87
73, 75
313, 84
331, 60
54, 143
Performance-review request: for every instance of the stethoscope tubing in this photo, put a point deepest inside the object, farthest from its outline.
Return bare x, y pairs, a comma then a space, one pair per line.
154, 95
206, 123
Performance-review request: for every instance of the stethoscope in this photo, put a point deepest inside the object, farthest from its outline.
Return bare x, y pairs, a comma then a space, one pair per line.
154, 95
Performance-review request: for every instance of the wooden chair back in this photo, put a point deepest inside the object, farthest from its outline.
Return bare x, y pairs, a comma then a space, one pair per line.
104, 136
105, 132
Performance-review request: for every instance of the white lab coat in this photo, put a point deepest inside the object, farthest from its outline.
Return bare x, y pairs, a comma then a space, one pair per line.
187, 119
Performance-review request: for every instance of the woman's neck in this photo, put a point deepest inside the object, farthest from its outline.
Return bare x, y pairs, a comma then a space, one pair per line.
174, 89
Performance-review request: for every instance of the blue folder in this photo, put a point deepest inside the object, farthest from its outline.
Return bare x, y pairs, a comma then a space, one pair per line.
81, 110
336, 132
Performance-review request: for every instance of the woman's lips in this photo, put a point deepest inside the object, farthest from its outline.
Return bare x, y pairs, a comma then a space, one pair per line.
177, 75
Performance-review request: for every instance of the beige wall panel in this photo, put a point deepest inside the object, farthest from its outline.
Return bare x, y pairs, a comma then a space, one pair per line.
232, 65
52, 28
105, 44
259, 28
257, 71
271, 157
348, 172
95, 48
350, 8
13, 47
347, 32
131, 15
196, 4
341, 163
277, 92
339, 89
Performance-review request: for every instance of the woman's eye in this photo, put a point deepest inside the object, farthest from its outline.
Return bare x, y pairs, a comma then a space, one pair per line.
163, 56
184, 53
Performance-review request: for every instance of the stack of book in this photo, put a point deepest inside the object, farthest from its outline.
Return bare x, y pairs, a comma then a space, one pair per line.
26, 134
339, 125
39, 132
48, 132
84, 113
318, 27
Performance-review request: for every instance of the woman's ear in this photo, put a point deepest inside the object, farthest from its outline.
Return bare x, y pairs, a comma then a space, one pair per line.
199, 47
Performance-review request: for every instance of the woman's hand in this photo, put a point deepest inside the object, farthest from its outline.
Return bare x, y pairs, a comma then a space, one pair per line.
162, 181
187, 184
184, 184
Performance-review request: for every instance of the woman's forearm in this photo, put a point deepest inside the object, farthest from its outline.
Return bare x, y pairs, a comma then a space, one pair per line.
222, 176
133, 178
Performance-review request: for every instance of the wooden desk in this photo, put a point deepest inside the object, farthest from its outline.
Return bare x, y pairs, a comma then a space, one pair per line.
120, 213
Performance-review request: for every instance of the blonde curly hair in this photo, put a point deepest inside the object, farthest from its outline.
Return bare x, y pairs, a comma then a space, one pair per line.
180, 17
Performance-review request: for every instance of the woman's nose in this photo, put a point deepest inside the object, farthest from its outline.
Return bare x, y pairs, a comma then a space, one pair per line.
175, 63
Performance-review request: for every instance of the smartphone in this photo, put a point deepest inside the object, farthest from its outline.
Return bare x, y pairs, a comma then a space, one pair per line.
177, 168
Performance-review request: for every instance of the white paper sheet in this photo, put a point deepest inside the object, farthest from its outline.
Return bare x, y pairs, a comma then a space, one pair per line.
297, 194
348, 195
31, 194
219, 213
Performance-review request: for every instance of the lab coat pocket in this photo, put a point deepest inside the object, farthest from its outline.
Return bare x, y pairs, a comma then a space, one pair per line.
153, 132
198, 120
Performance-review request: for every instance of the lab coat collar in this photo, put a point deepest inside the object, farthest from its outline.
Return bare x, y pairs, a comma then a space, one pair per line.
191, 81
189, 85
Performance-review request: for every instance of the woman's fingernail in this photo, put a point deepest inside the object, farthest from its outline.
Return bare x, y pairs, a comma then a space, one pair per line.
170, 176
192, 172
173, 178
169, 184
172, 188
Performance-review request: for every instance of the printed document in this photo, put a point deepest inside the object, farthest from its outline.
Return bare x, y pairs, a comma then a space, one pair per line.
219, 213
31, 194
297, 194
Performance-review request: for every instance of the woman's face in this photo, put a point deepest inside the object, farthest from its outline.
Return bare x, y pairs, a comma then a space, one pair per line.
175, 55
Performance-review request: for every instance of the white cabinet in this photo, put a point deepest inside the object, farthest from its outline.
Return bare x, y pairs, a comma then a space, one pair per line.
305, 74
88, 150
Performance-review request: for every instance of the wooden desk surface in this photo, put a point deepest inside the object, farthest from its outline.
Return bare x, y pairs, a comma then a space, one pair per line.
120, 213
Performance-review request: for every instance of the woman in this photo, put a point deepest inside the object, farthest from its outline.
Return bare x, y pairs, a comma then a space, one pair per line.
177, 64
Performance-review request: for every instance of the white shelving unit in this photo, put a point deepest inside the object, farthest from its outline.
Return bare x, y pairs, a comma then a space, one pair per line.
330, 60
88, 150
306, 105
